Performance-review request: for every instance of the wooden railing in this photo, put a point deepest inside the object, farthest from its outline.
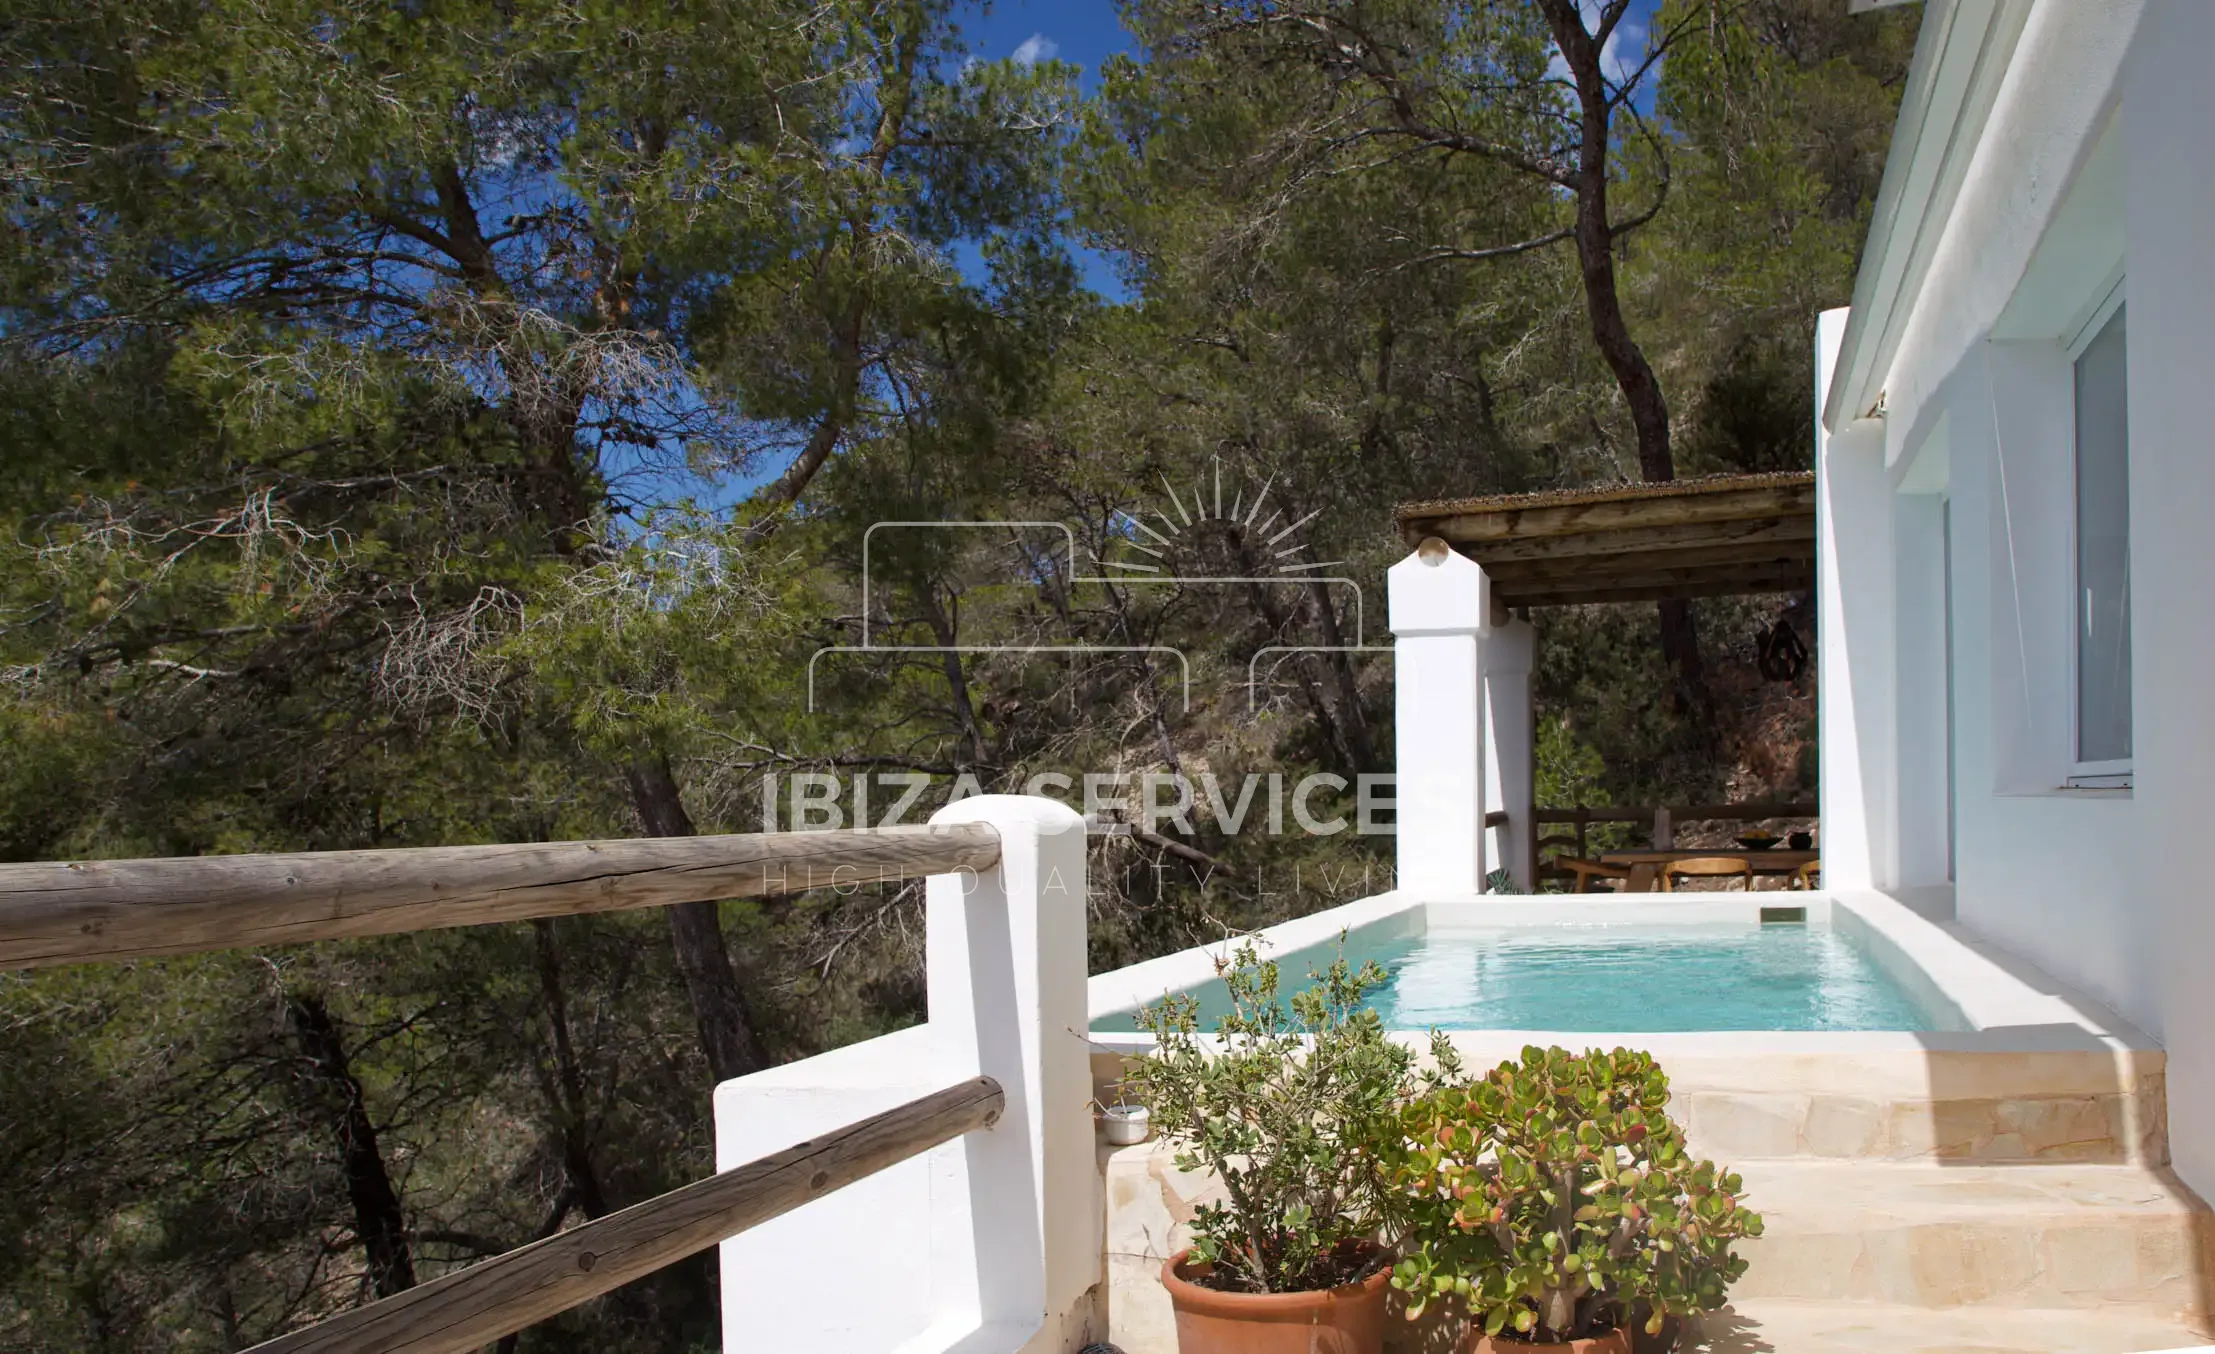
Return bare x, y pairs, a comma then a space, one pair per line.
66, 912
62, 913
471, 1308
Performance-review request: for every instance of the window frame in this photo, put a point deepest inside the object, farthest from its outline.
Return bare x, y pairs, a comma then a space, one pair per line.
2114, 773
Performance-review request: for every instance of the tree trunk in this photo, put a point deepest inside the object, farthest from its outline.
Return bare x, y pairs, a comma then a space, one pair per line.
1359, 746
957, 681
696, 934
377, 1217
1634, 376
568, 1088
1279, 622
896, 93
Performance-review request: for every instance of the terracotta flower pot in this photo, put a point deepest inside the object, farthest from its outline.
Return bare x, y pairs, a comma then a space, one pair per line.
1477, 1342
1344, 1320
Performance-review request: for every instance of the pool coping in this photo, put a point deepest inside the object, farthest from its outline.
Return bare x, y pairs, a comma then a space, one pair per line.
2008, 1005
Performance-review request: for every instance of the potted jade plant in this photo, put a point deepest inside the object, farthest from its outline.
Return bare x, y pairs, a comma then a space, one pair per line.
1555, 1202
1294, 1105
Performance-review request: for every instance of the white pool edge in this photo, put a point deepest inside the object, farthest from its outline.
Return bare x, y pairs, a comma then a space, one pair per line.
2008, 1005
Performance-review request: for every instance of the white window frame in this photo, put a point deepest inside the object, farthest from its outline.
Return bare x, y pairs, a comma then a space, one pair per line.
2113, 774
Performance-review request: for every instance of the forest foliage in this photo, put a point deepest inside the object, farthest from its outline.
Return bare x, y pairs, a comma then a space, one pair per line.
465, 422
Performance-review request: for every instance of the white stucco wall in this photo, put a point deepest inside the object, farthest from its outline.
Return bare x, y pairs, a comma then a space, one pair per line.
2169, 203
989, 1244
2099, 888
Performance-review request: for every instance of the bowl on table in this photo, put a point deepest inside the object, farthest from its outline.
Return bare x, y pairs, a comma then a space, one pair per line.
1759, 841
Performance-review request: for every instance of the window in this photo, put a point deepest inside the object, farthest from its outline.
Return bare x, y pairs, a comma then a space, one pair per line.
2102, 622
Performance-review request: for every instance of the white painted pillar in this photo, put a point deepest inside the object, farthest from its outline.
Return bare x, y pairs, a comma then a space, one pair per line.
1854, 636
1440, 603
1005, 954
989, 1242
1506, 657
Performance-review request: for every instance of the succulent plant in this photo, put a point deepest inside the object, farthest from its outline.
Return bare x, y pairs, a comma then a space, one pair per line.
1556, 1199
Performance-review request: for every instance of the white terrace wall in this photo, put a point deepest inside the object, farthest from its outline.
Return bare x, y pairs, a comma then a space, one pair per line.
990, 1244
2097, 157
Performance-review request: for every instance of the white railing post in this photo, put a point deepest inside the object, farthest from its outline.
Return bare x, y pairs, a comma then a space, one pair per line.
989, 1244
1006, 956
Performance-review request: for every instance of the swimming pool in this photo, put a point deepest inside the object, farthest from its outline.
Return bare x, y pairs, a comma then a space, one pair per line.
1707, 968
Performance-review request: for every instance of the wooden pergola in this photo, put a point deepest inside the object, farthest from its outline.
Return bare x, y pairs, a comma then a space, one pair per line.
1718, 536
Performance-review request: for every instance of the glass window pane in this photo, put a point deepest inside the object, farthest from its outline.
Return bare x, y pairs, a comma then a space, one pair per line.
2103, 549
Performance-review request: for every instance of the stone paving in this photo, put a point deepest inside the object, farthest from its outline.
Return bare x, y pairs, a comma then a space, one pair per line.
1976, 1202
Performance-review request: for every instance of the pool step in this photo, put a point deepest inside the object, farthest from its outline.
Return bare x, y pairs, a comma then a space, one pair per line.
1855, 1255
2096, 1105
1758, 1327
2117, 1238
1897, 1098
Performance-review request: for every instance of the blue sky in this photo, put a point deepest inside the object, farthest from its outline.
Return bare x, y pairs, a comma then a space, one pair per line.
1086, 32
1083, 32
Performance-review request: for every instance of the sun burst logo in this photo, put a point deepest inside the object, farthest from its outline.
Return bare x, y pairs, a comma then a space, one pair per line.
1243, 515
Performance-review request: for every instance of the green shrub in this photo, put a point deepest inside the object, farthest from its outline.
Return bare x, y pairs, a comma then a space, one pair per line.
1555, 1197
1294, 1105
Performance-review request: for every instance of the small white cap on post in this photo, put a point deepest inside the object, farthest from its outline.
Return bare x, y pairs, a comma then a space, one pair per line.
1436, 591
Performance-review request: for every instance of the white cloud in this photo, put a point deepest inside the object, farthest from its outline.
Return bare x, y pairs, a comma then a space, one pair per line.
1034, 49
1620, 56
1626, 48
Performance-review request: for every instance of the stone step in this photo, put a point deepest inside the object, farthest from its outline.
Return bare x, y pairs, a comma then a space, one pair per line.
2092, 1105
1891, 1097
2120, 1238
1756, 1327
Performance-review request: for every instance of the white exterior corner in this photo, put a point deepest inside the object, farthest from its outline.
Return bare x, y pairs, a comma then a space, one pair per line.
2052, 166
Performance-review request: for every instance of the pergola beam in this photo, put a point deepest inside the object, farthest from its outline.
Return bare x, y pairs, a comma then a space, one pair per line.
1631, 564
1660, 587
1714, 537
1686, 536
1624, 508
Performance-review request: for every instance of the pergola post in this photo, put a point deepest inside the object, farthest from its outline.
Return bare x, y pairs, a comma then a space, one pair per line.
1506, 655
1480, 558
1440, 604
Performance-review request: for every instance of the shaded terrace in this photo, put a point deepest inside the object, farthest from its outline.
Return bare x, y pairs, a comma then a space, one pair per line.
1717, 536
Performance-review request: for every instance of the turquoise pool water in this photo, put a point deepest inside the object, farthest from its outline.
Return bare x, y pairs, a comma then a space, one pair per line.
1622, 979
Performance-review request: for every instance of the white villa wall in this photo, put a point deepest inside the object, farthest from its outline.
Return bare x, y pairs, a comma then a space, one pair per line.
2169, 203
2102, 889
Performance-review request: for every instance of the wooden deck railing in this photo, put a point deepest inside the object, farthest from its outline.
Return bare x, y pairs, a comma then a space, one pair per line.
470, 1308
67, 912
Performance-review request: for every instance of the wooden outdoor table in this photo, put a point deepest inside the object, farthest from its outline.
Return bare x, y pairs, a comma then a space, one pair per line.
1645, 866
